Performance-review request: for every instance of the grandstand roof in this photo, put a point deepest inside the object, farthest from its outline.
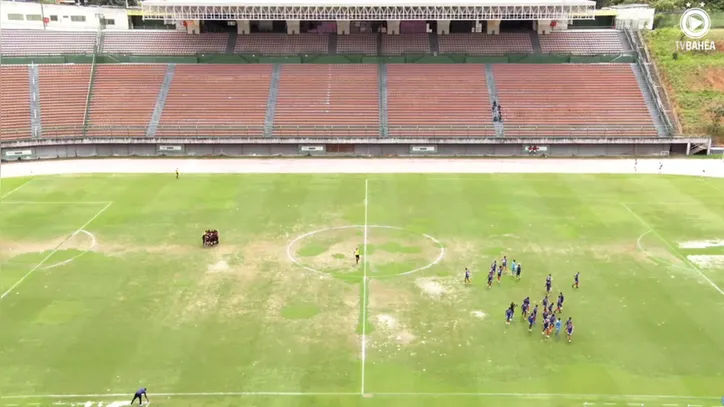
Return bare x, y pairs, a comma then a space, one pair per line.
369, 3
368, 10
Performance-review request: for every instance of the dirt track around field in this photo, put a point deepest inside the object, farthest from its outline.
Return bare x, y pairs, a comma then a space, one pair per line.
681, 166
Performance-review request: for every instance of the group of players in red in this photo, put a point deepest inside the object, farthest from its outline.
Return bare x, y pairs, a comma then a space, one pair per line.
551, 321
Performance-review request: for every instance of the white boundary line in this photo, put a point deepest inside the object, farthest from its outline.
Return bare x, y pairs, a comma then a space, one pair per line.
54, 251
655, 258
54, 202
64, 262
568, 396
364, 289
291, 244
673, 250
16, 188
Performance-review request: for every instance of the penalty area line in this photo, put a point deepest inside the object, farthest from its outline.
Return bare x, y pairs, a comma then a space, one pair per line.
46, 258
673, 250
15, 189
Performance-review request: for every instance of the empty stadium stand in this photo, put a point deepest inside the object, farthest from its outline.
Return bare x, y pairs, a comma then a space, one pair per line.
63, 94
483, 44
584, 43
124, 95
14, 102
140, 42
360, 44
282, 44
435, 95
217, 95
328, 95
572, 100
40, 42
412, 44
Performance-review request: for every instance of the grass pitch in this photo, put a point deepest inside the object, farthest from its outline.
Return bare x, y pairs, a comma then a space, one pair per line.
108, 289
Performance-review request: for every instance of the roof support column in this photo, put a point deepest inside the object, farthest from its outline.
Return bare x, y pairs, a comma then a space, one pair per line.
292, 26
393, 27
493, 27
193, 27
243, 27
543, 27
443, 27
343, 27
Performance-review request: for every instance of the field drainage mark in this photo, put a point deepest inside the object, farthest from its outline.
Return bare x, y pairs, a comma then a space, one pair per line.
294, 260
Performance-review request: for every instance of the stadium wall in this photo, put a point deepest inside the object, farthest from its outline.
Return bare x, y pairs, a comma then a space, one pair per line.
591, 147
322, 59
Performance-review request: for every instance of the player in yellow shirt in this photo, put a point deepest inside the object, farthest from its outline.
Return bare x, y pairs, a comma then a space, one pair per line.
356, 255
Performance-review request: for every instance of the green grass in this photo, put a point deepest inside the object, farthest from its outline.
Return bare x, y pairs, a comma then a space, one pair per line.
695, 80
147, 306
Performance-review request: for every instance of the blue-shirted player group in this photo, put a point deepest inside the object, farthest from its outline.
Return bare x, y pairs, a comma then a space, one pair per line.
552, 318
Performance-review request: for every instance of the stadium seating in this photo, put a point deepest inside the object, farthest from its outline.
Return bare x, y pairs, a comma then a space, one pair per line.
14, 102
41, 42
328, 95
63, 94
140, 42
124, 95
579, 100
360, 44
405, 44
217, 95
435, 95
584, 43
483, 44
282, 44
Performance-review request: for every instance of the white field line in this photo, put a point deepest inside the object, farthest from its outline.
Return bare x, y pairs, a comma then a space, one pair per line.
55, 202
54, 251
364, 289
16, 188
651, 256
567, 396
673, 250
64, 262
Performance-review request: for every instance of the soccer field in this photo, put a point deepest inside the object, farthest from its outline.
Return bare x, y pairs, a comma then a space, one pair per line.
106, 289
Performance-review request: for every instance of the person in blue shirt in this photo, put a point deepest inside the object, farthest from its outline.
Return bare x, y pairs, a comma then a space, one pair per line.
517, 271
558, 327
139, 395
490, 278
559, 306
575, 281
544, 302
508, 316
500, 272
513, 268
467, 276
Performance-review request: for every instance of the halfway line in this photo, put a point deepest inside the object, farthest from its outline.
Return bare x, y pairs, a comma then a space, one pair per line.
55, 250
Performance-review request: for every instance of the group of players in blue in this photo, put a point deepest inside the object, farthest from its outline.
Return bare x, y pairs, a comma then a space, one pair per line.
551, 321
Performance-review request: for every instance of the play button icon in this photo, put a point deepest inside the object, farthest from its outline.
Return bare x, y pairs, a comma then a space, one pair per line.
695, 23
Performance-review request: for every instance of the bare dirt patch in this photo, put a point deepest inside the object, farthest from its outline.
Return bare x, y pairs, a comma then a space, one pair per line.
391, 331
386, 295
14, 248
431, 287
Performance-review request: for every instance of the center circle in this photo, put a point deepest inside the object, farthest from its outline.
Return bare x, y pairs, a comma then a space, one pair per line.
393, 250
